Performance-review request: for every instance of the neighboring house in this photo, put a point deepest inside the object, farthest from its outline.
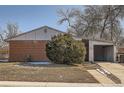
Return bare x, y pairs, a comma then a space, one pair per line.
120, 54
33, 44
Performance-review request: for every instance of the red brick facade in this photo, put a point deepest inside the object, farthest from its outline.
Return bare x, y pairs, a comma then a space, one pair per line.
19, 49
120, 50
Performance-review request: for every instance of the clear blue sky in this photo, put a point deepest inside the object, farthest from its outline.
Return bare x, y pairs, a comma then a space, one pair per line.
31, 17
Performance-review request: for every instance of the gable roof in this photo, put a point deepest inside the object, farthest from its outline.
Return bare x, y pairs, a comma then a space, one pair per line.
34, 31
76, 38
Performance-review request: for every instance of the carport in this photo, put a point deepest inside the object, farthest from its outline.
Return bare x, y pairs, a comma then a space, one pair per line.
101, 51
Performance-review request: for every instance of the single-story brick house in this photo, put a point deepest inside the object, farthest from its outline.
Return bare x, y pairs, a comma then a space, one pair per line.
33, 43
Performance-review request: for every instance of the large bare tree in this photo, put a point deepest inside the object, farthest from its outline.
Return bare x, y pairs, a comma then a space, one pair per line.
101, 22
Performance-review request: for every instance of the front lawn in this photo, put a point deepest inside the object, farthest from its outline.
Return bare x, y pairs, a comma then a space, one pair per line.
53, 73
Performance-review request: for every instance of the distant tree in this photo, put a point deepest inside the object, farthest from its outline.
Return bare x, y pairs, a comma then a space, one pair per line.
11, 30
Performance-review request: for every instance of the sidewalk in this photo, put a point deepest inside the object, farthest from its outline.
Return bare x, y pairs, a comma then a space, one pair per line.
54, 84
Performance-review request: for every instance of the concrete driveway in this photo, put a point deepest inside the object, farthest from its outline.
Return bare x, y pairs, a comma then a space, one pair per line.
115, 68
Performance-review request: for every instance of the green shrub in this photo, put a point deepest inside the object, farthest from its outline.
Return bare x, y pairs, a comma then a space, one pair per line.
63, 49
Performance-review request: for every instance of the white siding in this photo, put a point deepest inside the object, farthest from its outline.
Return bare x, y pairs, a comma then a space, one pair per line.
30, 36
39, 34
22, 37
100, 43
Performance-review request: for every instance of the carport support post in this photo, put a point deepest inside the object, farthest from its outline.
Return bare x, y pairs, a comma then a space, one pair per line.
91, 52
114, 53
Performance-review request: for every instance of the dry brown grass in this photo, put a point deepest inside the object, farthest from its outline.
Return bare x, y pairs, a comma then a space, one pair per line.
15, 72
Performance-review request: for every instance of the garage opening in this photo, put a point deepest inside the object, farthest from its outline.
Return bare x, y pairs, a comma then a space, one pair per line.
103, 53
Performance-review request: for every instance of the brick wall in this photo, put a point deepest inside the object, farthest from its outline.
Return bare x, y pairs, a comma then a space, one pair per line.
18, 50
120, 50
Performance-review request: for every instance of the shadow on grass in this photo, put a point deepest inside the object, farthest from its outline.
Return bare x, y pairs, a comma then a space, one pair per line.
46, 65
